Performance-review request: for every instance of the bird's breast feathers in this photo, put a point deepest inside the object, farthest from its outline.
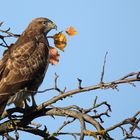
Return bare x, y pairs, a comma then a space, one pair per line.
25, 67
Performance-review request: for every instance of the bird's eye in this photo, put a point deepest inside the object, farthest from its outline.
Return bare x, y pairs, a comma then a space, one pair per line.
44, 23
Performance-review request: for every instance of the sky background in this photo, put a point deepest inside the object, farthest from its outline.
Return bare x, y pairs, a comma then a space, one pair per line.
102, 25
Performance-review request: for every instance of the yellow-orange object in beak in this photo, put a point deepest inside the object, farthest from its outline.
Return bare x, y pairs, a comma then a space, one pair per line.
60, 41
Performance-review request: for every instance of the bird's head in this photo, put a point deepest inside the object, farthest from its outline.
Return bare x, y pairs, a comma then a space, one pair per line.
42, 25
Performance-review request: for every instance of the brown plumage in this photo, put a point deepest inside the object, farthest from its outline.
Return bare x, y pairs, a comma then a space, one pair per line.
24, 64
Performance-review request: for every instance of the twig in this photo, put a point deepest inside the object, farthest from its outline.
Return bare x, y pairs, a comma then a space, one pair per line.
95, 101
8, 137
129, 75
60, 128
1, 23
49, 36
55, 87
9, 34
79, 83
1, 44
103, 69
2, 38
133, 121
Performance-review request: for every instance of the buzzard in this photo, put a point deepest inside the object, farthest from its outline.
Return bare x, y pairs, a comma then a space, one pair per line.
25, 63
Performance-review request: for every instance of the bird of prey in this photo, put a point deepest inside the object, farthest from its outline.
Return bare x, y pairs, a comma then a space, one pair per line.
25, 63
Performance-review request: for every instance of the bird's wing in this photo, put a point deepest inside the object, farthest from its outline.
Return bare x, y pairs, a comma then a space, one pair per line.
22, 65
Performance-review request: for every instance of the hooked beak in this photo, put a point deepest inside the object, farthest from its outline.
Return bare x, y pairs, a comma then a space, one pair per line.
55, 27
52, 25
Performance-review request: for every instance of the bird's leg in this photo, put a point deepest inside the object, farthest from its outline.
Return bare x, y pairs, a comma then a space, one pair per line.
26, 106
34, 105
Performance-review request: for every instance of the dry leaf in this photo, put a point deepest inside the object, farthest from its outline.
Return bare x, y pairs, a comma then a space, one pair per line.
60, 41
71, 31
54, 56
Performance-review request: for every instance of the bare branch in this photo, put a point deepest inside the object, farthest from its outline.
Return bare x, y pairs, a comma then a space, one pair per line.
89, 88
103, 69
9, 34
60, 128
